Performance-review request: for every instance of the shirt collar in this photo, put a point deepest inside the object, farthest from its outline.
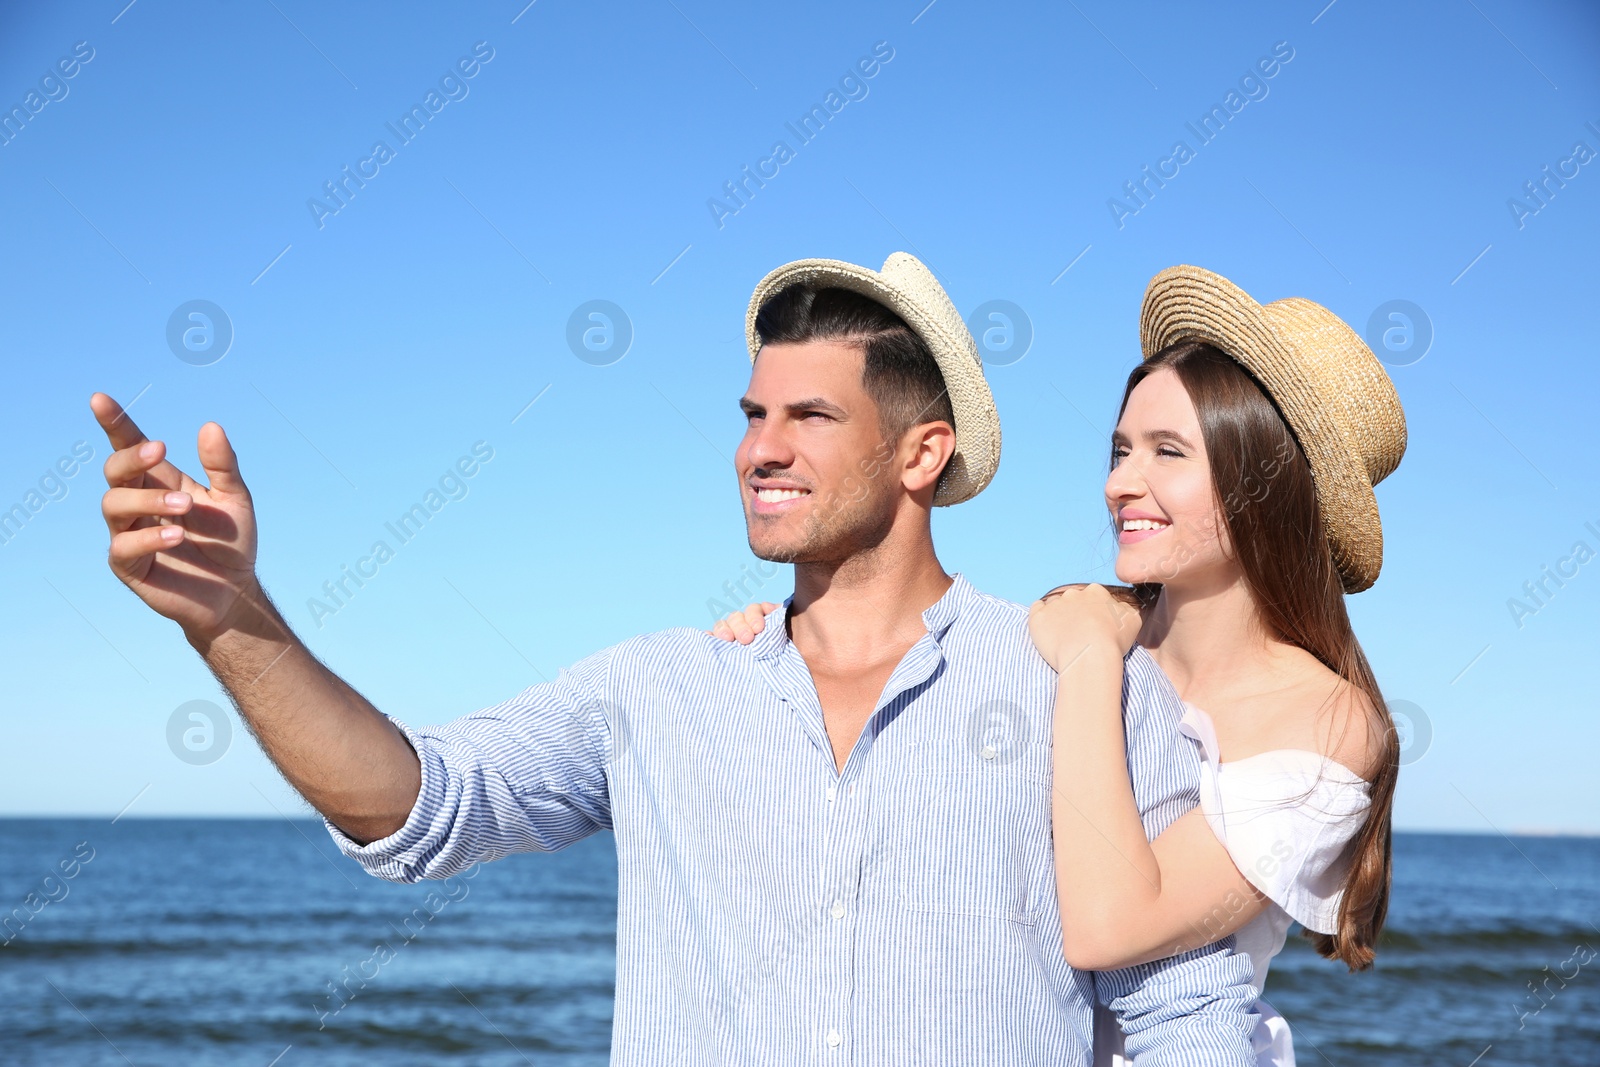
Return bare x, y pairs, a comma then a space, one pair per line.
770, 643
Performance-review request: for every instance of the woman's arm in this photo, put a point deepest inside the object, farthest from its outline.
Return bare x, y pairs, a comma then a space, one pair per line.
1124, 900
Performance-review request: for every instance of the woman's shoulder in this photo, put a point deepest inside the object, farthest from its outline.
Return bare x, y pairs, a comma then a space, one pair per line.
1325, 713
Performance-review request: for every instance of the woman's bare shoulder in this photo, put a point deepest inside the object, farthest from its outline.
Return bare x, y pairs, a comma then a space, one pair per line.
1335, 717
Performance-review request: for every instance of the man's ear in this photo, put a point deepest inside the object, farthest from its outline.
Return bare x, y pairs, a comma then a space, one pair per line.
928, 448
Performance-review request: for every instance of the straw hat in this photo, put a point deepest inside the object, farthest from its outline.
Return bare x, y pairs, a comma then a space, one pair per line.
910, 290
1331, 389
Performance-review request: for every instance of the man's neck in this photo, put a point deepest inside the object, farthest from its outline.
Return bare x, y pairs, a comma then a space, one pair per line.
855, 613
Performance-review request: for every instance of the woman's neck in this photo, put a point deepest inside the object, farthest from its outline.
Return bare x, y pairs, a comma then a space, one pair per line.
1208, 639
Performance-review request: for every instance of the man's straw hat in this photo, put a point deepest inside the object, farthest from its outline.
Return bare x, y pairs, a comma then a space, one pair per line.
1330, 388
910, 290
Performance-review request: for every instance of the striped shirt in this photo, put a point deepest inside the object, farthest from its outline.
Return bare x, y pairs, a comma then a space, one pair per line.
776, 910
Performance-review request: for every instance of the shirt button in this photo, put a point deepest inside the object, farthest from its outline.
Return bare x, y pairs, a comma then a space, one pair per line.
834, 1039
837, 911
832, 791
988, 752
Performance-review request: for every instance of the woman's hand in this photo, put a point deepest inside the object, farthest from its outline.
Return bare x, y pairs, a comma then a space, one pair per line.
742, 626
1073, 619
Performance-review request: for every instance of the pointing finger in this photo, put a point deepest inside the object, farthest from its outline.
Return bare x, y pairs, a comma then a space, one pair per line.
131, 464
113, 418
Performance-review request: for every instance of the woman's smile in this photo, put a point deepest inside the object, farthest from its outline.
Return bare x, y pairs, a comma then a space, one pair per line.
1136, 526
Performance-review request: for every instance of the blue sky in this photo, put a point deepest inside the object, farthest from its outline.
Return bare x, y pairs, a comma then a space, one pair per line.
376, 345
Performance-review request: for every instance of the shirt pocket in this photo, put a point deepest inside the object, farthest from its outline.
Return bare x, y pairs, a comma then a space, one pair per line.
974, 843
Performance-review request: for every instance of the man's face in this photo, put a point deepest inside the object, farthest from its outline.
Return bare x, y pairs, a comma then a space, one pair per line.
818, 478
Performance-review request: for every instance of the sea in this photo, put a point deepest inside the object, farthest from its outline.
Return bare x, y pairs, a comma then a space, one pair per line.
253, 942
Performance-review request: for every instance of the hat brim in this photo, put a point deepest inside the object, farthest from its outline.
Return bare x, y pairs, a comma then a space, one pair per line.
907, 288
1186, 303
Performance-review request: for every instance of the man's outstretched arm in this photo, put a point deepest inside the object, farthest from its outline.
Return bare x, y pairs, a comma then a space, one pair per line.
189, 552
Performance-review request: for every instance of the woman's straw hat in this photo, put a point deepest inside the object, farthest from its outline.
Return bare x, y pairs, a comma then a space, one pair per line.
1330, 388
910, 290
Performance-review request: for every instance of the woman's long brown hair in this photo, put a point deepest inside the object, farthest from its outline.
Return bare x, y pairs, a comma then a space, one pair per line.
1268, 501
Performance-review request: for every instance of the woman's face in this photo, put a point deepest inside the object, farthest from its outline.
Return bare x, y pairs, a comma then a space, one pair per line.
1168, 524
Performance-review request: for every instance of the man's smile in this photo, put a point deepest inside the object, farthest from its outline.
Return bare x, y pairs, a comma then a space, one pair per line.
774, 499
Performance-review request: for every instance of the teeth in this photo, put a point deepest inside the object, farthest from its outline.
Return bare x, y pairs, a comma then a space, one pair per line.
774, 496
1144, 524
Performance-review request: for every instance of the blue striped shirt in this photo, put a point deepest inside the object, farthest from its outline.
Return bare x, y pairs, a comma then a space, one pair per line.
776, 910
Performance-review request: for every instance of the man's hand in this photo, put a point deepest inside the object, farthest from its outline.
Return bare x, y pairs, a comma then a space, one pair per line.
189, 551
1073, 619
186, 549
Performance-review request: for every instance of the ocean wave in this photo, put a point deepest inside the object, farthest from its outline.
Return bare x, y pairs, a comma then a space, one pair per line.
1505, 935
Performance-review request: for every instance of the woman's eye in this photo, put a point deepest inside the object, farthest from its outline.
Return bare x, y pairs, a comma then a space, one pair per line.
1168, 450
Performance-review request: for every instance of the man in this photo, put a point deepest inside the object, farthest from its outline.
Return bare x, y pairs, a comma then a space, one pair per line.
826, 853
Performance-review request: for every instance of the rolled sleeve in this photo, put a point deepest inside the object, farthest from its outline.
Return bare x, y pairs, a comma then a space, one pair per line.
1192, 1010
526, 775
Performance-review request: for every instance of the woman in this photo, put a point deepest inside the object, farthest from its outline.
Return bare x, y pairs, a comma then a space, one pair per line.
1240, 492
1241, 496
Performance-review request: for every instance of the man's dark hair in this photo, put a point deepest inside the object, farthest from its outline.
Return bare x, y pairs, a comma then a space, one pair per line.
898, 371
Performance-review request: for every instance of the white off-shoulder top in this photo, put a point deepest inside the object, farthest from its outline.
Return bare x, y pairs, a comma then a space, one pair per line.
1286, 818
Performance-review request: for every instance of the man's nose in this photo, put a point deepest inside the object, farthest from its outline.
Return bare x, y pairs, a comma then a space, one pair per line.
768, 446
